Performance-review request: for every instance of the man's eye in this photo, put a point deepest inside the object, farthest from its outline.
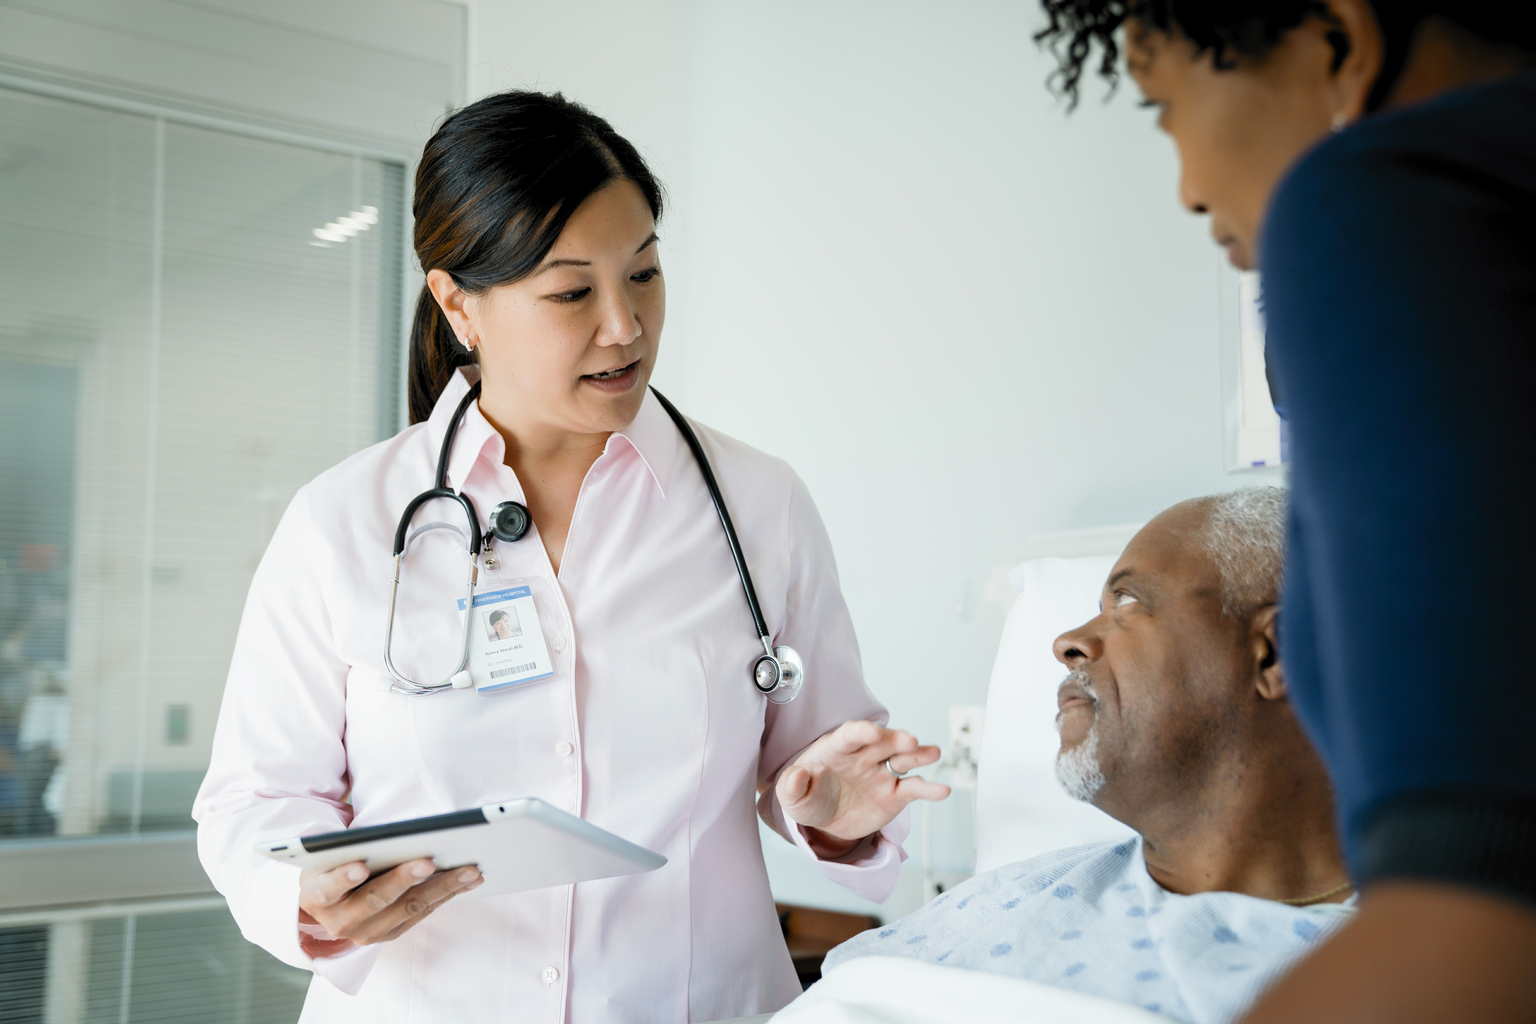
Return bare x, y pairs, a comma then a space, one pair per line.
1121, 600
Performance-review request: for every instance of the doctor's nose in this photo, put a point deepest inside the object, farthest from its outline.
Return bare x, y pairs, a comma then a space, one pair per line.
1077, 647
621, 321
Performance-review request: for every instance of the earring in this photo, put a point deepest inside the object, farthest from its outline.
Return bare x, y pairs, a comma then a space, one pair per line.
469, 346
1338, 123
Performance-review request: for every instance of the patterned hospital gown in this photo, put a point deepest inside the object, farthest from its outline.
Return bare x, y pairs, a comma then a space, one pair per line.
1092, 919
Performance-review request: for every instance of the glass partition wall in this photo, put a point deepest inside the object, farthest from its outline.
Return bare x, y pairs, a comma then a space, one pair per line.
193, 323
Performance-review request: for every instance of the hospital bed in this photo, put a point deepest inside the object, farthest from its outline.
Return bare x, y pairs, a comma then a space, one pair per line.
1020, 812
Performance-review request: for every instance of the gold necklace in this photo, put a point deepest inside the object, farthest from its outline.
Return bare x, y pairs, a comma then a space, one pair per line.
1305, 900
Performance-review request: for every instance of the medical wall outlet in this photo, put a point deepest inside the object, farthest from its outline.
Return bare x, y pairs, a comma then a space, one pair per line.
964, 753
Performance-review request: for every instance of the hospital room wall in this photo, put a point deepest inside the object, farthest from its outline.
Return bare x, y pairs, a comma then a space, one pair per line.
962, 315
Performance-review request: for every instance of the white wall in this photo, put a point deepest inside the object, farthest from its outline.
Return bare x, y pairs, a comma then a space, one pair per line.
964, 316
630, 63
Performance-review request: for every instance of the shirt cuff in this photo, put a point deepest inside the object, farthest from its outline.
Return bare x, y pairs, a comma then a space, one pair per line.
1462, 838
349, 970
873, 876
269, 917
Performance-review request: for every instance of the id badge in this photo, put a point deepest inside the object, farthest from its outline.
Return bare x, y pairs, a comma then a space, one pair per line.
506, 640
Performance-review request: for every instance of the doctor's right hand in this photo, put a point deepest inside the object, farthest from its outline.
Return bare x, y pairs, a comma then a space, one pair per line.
337, 913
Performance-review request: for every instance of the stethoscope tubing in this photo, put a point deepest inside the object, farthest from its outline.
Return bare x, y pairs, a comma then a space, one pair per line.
441, 489
786, 667
725, 515
403, 681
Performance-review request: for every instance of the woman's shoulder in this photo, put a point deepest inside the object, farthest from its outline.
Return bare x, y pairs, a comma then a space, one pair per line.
1467, 140
367, 471
732, 451
352, 502
733, 460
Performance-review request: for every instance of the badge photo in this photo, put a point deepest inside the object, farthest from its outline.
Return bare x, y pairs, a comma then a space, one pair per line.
507, 646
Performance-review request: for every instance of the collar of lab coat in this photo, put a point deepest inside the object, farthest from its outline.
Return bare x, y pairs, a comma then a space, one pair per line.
652, 435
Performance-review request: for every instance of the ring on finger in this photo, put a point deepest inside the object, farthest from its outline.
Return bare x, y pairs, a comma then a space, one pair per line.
893, 771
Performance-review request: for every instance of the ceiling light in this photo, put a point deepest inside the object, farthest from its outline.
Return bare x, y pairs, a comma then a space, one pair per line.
344, 227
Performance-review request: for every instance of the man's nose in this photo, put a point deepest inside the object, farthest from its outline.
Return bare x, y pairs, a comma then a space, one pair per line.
1077, 646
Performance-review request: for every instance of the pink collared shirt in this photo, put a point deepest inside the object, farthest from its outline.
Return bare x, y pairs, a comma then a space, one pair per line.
650, 728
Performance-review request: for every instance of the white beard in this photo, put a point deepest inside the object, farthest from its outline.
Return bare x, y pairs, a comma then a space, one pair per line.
1078, 769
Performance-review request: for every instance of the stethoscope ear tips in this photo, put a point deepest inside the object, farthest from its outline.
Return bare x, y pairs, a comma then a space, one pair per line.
510, 521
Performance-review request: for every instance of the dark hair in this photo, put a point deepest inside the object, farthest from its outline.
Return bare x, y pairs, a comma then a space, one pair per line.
496, 616
496, 184
1229, 29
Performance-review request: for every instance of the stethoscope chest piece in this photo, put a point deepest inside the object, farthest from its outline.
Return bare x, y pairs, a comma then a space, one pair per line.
779, 676
778, 673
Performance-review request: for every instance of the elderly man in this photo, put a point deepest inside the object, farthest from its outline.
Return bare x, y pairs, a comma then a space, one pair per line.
1174, 720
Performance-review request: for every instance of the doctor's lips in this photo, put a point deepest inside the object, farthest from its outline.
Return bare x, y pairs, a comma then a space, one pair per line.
617, 380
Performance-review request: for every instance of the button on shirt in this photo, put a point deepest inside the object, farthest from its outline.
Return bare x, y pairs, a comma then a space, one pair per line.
650, 727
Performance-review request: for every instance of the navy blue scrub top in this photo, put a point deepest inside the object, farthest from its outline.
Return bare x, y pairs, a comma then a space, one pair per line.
1399, 269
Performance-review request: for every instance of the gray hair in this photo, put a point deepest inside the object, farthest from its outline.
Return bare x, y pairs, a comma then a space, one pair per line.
1077, 768
1244, 532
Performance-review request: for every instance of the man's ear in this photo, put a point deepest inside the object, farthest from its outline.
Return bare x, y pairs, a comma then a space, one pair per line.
1264, 642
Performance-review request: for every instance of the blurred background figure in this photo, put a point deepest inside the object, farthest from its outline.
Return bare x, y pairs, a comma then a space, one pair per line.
41, 739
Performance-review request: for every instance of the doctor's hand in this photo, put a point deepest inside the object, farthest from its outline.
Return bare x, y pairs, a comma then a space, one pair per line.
841, 792
361, 914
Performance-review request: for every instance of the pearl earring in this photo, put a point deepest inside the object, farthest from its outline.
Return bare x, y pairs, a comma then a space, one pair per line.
1338, 123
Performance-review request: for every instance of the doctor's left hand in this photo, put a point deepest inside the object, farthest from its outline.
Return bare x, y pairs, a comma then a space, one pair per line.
839, 787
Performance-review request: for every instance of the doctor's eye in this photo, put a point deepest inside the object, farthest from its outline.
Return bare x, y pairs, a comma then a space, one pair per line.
1121, 600
646, 276
575, 296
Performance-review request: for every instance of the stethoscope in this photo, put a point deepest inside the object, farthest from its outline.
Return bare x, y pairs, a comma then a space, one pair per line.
778, 673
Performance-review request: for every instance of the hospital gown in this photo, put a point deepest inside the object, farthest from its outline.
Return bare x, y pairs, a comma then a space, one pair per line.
1091, 919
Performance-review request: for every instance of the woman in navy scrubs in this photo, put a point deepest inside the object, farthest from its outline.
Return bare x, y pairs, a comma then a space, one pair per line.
1376, 160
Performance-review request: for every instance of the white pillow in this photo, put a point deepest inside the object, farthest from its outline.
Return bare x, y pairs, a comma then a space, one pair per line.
1021, 810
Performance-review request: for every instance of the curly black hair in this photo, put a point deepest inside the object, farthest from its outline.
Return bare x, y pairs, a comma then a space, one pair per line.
1226, 28
1232, 29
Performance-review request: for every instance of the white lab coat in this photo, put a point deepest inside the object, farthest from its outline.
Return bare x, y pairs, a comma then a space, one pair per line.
650, 728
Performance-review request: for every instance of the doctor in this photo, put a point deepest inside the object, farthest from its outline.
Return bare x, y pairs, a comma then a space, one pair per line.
536, 226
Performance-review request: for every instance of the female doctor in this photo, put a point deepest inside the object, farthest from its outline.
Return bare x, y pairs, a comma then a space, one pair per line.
536, 226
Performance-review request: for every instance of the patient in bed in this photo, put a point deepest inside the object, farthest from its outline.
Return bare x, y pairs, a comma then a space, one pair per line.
1173, 719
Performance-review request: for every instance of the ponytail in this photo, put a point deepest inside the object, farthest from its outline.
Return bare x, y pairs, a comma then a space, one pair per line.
494, 188
434, 356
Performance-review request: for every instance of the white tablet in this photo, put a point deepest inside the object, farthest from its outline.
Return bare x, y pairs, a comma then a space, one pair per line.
520, 844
